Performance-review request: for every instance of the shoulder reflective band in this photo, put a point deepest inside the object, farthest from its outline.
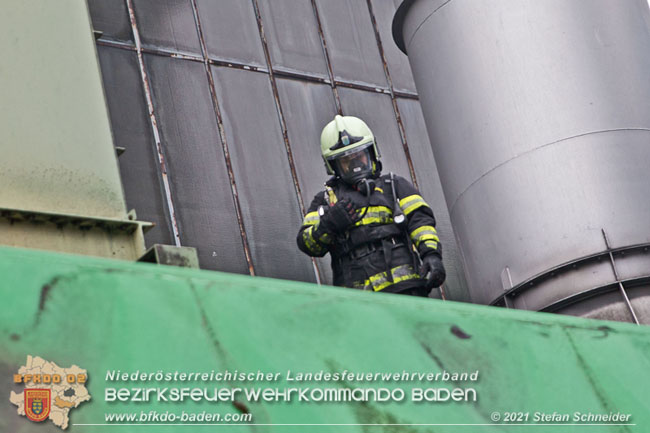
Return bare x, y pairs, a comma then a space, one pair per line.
311, 218
426, 234
375, 215
412, 202
380, 281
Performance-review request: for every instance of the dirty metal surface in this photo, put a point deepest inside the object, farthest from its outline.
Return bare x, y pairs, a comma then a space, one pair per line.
230, 30
167, 23
351, 41
311, 42
307, 106
398, 64
429, 185
104, 315
138, 164
293, 44
111, 18
184, 257
199, 183
270, 208
55, 140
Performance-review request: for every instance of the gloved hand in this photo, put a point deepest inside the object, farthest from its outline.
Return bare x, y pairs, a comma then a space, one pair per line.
338, 217
433, 271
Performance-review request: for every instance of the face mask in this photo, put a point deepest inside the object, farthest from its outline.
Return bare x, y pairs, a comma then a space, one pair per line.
354, 167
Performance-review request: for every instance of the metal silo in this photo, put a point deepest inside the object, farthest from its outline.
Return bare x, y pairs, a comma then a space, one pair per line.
539, 119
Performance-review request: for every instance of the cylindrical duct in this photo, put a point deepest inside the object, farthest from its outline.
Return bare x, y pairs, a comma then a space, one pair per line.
539, 118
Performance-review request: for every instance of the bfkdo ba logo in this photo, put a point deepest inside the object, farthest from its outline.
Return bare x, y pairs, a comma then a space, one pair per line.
51, 391
37, 404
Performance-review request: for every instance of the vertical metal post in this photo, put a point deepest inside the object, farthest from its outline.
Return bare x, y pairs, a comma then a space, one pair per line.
506, 282
398, 116
283, 124
224, 141
328, 62
154, 124
618, 280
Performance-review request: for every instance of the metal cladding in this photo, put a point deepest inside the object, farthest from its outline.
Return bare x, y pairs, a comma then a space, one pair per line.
539, 119
220, 105
60, 186
217, 322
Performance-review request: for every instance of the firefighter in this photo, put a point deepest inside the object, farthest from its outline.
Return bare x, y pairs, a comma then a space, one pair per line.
378, 229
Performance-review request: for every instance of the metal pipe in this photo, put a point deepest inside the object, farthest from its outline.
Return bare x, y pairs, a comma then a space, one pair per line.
539, 119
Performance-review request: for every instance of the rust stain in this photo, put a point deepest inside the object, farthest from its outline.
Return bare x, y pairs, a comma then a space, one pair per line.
406, 95
591, 376
283, 124
236, 65
224, 142
44, 296
459, 333
241, 407
328, 62
222, 354
362, 86
298, 75
301, 76
398, 116
432, 355
154, 124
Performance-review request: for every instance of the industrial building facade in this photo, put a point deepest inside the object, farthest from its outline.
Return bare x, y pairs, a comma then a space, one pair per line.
220, 104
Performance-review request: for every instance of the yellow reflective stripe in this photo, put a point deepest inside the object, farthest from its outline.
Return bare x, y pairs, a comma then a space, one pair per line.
380, 281
414, 206
424, 233
379, 189
310, 242
431, 244
412, 202
423, 229
311, 218
375, 214
331, 195
324, 238
406, 201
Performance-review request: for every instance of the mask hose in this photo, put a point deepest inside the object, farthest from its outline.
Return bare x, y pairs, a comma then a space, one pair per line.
365, 186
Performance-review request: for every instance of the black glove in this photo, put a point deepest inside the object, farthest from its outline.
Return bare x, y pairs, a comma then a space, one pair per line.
433, 270
338, 217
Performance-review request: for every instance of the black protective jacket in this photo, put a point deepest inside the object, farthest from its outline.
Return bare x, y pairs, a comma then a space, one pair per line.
375, 253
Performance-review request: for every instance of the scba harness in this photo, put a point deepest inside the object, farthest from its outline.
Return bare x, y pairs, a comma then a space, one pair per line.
376, 253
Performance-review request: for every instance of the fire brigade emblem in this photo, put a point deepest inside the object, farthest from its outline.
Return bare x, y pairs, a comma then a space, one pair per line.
37, 404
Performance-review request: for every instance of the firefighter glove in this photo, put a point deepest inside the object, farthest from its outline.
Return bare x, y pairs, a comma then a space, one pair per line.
433, 270
339, 217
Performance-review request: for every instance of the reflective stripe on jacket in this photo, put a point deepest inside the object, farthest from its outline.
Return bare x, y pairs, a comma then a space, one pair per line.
360, 258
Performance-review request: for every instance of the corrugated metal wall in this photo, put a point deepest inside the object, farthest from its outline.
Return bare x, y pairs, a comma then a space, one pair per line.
220, 105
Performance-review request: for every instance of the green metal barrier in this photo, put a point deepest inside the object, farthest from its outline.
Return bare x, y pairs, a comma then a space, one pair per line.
104, 316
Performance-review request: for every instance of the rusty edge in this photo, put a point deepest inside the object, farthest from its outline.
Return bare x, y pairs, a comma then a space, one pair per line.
298, 75
283, 124
328, 62
398, 117
154, 124
224, 142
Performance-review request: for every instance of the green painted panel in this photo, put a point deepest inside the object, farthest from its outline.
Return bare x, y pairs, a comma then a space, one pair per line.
55, 138
106, 315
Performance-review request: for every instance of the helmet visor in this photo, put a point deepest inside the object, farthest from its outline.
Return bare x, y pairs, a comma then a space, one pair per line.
354, 165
